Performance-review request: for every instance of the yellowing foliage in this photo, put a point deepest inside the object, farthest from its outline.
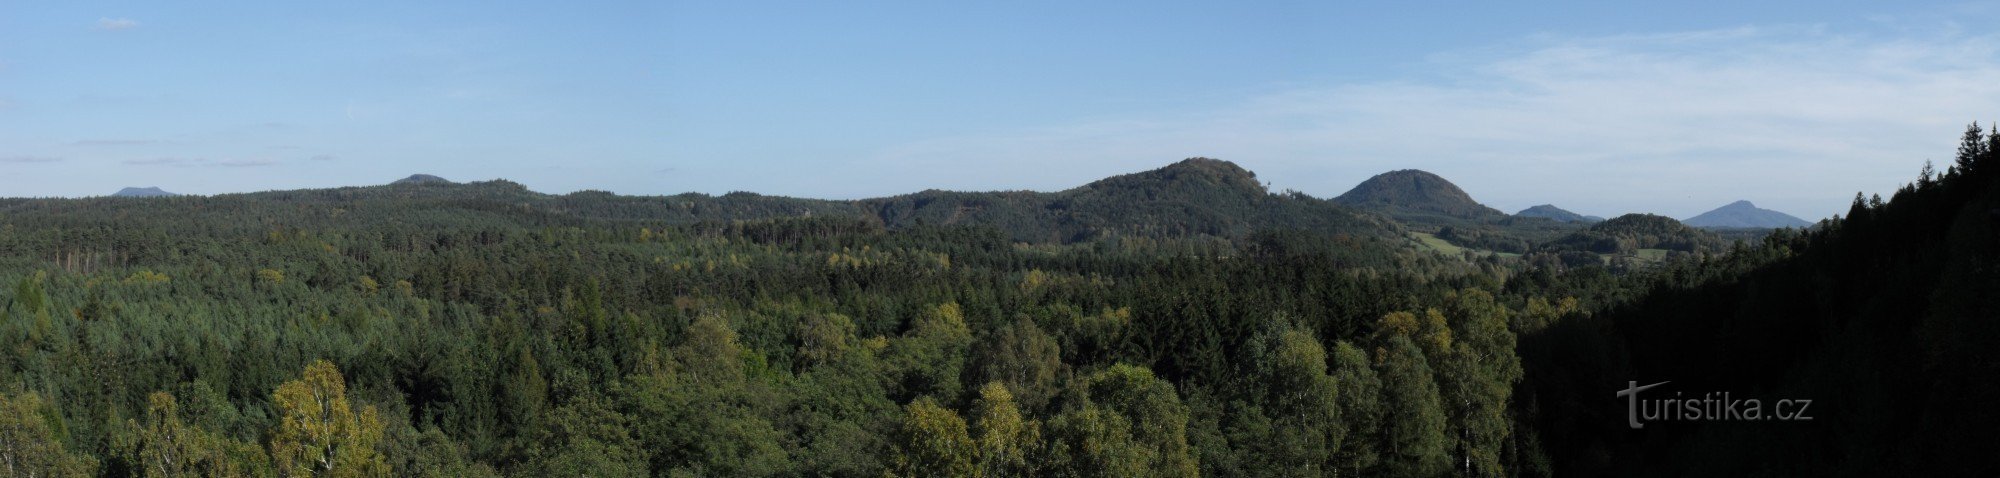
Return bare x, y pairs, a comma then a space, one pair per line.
320, 433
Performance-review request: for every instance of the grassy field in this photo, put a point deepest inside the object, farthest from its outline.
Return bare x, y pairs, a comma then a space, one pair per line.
1431, 242
1647, 256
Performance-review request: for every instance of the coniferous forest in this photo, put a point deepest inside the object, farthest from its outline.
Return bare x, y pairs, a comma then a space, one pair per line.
1178, 322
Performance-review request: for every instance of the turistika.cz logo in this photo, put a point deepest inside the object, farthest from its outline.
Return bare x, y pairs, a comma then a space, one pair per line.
1711, 406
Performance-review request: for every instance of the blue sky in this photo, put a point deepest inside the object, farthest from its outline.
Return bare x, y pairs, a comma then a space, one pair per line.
1665, 107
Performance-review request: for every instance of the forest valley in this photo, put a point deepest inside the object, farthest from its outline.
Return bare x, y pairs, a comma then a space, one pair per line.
1179, 322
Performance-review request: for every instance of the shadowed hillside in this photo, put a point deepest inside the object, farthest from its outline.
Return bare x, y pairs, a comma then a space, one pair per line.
1885, 318
1632, 232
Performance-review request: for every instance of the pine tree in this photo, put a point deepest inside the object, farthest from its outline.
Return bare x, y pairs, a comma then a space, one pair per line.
1971, 147
1992, 139
527, 392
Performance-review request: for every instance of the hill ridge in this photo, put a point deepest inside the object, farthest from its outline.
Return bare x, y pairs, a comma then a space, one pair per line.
1550, 211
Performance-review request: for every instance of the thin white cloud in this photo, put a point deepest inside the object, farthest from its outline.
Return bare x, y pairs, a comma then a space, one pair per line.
117, 142
29, 159
164, 161
115, 24
205, 162
1793, 118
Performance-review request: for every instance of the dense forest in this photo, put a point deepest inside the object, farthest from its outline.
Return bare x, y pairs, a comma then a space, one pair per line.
1177, 322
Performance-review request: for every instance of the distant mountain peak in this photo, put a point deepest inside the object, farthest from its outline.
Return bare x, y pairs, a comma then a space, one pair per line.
1550, 211
1743, 214
145, 192
422, 179
1417, 190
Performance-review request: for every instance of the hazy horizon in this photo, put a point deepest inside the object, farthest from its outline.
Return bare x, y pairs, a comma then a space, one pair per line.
1260, 178
1600, 110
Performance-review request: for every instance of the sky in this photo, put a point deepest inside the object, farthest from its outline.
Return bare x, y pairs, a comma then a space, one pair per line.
1671, 108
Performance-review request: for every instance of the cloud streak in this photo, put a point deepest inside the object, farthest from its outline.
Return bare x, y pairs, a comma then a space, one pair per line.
191, 162
118, 142
162, 161
29, 159
1792, 117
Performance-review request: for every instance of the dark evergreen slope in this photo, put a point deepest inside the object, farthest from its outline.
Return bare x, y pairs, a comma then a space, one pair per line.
1631, 232
1411, 191
148, 192
1886, 319
1550, 211
1742, 214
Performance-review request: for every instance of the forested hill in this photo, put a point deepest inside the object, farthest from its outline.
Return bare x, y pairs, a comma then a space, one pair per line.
1188, 199
1427, 203
1551, 212
1632, 232
1195, 197
422, 179
1413, 191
